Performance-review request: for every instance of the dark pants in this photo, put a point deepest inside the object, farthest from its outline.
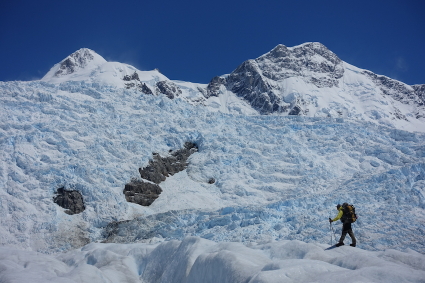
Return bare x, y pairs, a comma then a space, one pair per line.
346, 228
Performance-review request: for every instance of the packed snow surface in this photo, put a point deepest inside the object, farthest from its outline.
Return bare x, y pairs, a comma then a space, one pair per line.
264, 219
195, 260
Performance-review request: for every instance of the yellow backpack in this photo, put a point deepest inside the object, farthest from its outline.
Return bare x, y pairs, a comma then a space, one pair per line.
349, 215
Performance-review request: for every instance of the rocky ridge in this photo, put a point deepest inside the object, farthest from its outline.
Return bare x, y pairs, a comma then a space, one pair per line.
398, 90
170, 89
133, 81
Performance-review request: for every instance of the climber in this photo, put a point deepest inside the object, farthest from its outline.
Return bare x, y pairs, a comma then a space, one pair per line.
347, 215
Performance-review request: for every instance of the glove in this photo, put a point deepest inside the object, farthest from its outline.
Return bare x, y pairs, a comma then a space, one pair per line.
330, 220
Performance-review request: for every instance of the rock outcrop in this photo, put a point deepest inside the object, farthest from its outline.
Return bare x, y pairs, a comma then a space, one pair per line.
213, 88
70, 200
142, 193
133, 81
170, 89
133, 77
420, 92
158, 169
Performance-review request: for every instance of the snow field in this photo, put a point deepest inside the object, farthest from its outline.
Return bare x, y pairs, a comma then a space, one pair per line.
199, 260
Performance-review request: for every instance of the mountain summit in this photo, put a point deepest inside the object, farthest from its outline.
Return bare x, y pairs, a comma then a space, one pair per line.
313, 61
260, 81
88, 66
81, 60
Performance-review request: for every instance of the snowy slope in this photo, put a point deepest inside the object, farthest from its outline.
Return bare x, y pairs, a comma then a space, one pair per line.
89, 125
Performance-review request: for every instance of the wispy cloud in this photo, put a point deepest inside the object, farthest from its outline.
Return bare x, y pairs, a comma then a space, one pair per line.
401, 64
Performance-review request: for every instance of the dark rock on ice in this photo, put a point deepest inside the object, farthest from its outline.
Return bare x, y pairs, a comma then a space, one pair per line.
213, 88
142, 193
134, 76
295, 111
168, 88
420, 92
161, 167
70, 200
134, 81
145, 89
129, 85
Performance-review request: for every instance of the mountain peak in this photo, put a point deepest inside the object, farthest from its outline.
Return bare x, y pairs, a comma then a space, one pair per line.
279, 51
80, 59
305, 50
308, 59
312, 45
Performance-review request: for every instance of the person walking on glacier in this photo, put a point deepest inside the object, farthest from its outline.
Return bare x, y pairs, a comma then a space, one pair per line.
347, 215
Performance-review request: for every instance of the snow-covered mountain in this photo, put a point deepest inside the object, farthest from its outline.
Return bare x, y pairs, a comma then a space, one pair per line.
310, 80
100, 151
305, 80
88, 66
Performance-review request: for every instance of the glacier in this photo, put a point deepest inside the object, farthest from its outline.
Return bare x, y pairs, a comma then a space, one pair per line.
277, 180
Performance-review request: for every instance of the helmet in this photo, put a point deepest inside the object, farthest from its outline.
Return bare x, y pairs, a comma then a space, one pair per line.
338, 206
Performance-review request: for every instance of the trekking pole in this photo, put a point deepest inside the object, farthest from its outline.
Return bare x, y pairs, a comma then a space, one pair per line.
330, 227
333, 231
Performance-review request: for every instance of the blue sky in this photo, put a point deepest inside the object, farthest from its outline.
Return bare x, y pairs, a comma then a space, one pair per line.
197, 40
